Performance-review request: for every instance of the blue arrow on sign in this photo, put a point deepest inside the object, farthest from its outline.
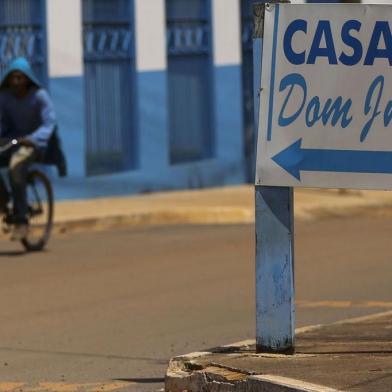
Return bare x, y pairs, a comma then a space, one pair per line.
295, 159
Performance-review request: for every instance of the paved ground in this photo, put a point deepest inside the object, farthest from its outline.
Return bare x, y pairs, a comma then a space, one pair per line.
109, 309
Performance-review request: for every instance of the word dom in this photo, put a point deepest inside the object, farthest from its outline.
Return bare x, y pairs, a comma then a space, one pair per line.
334, 112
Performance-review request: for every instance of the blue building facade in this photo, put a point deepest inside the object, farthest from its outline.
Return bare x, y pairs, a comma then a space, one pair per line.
150, 95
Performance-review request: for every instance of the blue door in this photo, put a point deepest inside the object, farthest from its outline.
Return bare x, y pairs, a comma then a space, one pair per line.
247, 84
109, 86
189, 79
23, 33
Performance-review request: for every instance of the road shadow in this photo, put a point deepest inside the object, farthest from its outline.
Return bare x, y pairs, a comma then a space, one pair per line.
13, 253
159, 361
145, 380
20, 252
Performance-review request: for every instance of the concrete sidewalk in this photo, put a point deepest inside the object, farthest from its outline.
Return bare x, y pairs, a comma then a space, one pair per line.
227, 205
353, 355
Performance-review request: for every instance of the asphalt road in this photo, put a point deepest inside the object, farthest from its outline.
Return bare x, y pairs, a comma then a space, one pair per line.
105, 311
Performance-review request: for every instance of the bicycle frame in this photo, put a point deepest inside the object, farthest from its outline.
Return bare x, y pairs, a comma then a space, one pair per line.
39, 206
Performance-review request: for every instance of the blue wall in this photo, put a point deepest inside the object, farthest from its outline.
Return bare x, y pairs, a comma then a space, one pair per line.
229, 143
152, 119
153, 169
179, 127
67, 95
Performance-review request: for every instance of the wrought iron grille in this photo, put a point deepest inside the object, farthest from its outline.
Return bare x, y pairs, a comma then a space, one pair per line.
189, 70
109, 72
22, 33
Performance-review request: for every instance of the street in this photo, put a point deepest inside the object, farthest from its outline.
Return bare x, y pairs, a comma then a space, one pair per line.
107, 310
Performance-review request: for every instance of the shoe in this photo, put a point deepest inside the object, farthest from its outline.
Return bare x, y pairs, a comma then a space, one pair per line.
19, 231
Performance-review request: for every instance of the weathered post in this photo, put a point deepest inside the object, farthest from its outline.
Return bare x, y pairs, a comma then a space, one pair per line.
275, 323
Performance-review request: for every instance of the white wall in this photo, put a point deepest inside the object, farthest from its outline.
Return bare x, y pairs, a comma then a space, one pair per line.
150, 30
64, 24
226, 24
377, 2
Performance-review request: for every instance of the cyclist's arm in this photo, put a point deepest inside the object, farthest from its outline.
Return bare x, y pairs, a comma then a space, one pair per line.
4, 120
42, 134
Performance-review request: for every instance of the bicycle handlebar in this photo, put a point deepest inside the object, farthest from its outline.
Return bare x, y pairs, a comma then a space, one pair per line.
8, 145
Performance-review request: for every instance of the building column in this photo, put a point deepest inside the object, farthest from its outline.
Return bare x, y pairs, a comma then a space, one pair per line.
64, 27
151, 65
226, 22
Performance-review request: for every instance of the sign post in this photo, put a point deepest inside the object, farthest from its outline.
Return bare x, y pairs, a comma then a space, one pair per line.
325, 120
274, 241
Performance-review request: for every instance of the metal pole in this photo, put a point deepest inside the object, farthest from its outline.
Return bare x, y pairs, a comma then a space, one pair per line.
275, 310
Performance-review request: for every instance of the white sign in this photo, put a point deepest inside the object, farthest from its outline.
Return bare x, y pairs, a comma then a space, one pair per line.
326, 96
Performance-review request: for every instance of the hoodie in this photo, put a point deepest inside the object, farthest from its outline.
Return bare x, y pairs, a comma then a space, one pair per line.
33, 116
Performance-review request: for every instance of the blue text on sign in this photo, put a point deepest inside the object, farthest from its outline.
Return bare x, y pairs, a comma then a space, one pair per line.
334, 112
379, 46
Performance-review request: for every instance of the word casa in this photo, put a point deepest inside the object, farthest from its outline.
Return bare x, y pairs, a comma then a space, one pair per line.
323, 45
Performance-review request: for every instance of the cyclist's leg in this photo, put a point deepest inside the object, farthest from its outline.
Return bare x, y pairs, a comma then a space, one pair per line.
4, 189
20, 162
4, 195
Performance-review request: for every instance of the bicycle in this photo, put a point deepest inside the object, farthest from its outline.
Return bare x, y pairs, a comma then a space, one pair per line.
40, 207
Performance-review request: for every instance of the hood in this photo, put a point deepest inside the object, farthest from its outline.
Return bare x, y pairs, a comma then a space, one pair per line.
22, 65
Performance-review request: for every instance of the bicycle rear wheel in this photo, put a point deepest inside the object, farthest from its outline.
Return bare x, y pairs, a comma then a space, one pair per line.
40, 211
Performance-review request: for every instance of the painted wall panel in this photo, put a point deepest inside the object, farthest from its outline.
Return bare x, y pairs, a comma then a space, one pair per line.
67, 96
150, 35
187, 176
152, 121
228, 113
226, 32
64, 38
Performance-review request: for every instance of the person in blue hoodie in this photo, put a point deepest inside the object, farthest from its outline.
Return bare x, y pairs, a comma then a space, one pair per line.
26, 114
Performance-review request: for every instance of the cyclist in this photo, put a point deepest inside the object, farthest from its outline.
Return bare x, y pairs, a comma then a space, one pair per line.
26, 114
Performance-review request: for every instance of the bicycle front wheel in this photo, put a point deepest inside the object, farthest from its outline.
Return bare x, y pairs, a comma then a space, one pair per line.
40, 211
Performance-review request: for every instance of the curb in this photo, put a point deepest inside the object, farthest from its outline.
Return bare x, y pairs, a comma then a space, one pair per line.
200, 216
217, 206
186, 374
175, 216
